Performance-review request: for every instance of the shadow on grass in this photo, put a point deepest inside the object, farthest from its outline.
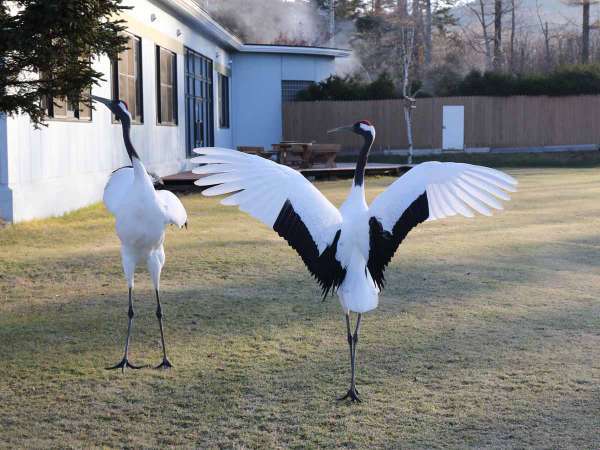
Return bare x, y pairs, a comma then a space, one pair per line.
230, 308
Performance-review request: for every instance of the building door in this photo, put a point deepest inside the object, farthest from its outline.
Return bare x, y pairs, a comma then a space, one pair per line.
453, 128
199, 109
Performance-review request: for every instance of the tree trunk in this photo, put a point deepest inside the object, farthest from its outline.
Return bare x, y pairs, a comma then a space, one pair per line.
547, 44
377, 6
402, 8
332, 23
409, 133
407, 47
585, 36
513, 25
486, 37
498, 63
427, 33
407, 107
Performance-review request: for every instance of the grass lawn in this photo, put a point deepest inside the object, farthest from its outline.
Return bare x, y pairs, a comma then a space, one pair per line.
488, 334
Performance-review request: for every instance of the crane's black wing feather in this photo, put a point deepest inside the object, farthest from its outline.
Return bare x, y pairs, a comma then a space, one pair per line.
326, 269
384, 244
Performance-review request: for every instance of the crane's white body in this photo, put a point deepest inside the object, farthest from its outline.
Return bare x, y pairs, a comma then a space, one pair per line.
142, 214
262, 188
358, 291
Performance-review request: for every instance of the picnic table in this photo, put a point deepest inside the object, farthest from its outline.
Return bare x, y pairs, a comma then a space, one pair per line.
324, 154
306, 154
291, 153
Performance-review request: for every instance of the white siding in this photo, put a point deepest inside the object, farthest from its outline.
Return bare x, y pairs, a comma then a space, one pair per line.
5, 193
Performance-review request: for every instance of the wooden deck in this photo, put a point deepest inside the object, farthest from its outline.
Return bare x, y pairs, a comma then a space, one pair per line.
346, 170
184, 181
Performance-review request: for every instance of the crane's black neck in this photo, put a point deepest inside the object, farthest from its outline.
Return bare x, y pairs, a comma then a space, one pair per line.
361, 164
128, 144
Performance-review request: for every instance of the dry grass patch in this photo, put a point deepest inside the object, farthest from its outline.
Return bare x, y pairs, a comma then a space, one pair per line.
488, 334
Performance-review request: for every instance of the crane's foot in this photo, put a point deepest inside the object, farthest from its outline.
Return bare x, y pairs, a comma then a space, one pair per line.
164, 365
124, 364
352, 395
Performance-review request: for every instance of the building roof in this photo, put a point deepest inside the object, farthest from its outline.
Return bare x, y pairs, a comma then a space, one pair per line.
295, 49
191, 12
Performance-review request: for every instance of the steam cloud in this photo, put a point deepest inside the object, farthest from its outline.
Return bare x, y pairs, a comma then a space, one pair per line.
271, 21
291, 22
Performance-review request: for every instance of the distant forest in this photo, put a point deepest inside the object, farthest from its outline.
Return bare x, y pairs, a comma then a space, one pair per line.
437, 47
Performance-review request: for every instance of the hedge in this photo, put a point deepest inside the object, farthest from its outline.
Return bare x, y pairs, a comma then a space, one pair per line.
568, 80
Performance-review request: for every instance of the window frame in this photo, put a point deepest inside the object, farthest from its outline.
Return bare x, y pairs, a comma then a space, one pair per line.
224, 101
199, 95
174, 87
76, 112
140, 80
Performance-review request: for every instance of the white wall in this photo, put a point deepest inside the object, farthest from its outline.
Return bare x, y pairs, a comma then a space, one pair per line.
5, 193
190, 37
65, 166
257, 108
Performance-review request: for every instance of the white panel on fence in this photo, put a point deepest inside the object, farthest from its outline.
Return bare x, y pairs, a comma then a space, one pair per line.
453, 128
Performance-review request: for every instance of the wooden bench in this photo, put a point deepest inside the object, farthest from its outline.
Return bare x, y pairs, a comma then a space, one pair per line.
324, 154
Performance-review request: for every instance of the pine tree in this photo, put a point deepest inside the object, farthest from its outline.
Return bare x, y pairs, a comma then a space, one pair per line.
48, 47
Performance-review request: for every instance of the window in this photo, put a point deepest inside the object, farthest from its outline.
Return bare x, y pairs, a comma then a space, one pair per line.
166, 86
199, 113
127, 78
63, 108
223, 101
290, 88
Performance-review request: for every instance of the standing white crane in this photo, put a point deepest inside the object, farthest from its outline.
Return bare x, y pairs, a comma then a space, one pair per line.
142, 214
347, 250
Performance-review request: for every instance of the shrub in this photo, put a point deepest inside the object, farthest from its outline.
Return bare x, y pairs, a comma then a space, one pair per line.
568, 80
350, 88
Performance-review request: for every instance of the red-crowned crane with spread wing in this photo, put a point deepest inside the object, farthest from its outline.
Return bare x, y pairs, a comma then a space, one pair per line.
142, 214
347, 250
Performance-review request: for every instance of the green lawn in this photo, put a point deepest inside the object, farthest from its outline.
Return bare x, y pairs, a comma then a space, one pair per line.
488, 334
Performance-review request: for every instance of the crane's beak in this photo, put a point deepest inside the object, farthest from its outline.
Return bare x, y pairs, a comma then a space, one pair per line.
103, 100
338, 129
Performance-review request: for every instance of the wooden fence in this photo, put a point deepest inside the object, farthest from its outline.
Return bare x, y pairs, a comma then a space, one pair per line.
495, 122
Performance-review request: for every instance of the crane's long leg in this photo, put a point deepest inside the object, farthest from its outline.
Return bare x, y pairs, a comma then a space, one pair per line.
355, 344
125, 362
166, 364
352, 342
